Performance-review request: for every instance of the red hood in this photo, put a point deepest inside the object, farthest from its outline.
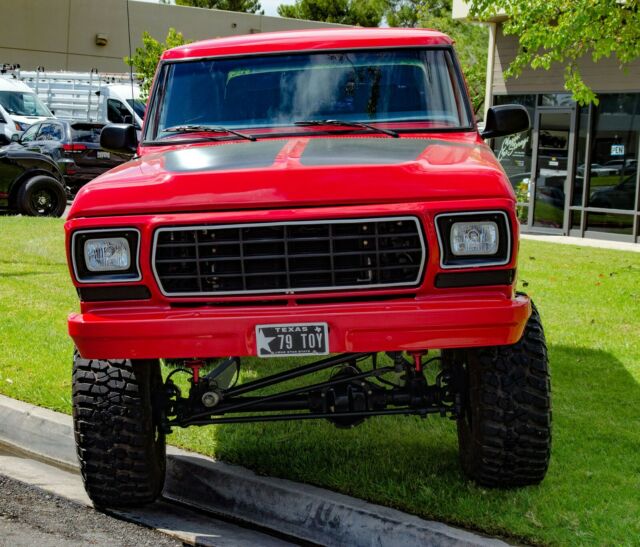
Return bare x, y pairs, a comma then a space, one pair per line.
297, 172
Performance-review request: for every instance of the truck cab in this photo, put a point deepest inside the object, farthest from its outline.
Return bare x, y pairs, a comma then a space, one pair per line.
305, 194
20, 108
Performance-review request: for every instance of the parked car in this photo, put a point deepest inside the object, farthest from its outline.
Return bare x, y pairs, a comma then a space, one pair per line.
620, 196
312, 193
74, 146
30, 183
20, 107
623, 166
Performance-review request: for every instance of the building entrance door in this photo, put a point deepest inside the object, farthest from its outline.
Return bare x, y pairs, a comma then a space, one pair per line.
552, 171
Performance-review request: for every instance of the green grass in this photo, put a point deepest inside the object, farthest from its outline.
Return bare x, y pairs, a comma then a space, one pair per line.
590, 304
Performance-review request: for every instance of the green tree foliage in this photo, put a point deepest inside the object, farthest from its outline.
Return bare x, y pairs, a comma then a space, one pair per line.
145, 60
471, 39
404, 13
247, 6
365, 13
565, 31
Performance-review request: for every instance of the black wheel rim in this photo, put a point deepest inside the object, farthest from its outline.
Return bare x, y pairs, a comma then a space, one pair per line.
44, 202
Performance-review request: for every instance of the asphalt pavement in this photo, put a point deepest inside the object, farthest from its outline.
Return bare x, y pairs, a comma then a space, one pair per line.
30, 516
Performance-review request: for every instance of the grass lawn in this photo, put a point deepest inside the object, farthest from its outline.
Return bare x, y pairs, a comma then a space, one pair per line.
589, 300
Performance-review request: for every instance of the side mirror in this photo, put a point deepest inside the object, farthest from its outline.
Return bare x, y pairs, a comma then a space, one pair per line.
504, 120
15, 137
120, 138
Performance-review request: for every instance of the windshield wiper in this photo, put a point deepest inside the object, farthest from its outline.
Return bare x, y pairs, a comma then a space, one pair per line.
345, 123
206, 129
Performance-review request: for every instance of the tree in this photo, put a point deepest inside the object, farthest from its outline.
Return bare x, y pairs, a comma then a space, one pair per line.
145, 60
565, 31
247, 6
471, 39
404, 13
365, 13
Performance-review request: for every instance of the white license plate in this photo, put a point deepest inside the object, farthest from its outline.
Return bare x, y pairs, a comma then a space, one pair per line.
292, 339
102, 155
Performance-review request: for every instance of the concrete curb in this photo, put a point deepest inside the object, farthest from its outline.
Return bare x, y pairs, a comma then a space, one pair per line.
306, 512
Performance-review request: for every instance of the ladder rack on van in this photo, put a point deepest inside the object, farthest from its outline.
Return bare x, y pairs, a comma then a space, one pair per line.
71, 95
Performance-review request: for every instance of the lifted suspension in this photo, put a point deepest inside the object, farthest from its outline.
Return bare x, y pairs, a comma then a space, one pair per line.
347, 398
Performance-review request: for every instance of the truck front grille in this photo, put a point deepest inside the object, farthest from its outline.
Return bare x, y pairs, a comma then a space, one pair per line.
289, 257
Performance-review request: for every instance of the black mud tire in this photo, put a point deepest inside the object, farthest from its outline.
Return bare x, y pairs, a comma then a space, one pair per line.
42, 196
119, 444
504, 433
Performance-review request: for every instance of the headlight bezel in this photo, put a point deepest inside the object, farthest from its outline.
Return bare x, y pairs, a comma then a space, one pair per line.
82, 272
449, 261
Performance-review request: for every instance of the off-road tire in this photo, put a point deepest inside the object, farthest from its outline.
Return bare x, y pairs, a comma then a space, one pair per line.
52, 192
504, 433
120, 446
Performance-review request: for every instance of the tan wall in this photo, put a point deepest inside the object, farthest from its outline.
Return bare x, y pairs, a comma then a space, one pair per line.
60, 34
603, 76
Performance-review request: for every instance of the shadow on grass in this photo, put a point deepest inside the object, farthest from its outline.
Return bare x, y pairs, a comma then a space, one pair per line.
412, 464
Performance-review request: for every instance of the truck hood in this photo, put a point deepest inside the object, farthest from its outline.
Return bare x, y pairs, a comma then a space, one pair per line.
297, 172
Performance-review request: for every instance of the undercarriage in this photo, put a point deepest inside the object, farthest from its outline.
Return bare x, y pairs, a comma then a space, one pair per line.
499, 397
358, 387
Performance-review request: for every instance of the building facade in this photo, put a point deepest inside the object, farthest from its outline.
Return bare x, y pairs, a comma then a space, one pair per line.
576, 171
81, 35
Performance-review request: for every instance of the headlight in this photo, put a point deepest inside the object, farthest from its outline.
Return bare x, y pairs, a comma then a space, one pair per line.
20, 126
106, 256
474, 239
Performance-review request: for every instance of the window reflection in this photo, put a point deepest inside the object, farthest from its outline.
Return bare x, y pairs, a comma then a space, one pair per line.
514, 153
614, 161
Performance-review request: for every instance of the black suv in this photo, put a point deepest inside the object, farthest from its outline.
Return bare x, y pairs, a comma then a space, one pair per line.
31, 183
75, 146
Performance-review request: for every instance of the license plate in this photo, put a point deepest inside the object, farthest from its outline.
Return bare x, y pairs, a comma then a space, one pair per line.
102, 155
292, 339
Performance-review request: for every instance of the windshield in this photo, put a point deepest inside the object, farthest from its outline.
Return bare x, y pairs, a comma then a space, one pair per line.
19, 103
387, 86
138, 107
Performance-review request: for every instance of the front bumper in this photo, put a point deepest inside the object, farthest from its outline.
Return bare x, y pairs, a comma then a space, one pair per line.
174, 333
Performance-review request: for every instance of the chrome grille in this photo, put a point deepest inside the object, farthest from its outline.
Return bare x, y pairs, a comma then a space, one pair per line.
289, 257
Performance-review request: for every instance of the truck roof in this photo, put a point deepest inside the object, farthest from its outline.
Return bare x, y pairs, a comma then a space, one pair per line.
8, 83
305, 40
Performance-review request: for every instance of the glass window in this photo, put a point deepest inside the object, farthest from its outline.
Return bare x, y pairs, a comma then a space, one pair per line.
605, 222
400, 86
81, 132
614, 149
575, 219
20, 103
514, 153
51, 132
117, 112
30, 134
556, 99
580, 172
138, 107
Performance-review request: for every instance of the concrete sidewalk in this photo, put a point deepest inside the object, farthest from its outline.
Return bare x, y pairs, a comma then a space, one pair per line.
585, 242
310, 514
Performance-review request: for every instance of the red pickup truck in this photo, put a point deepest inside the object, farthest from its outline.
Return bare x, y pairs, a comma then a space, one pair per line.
313, 193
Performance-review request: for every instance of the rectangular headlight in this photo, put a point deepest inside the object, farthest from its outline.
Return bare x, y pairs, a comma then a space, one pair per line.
109, 254
106, 255
474, 238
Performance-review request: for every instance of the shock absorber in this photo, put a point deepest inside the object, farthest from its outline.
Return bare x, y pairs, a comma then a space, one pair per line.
417, 359
195, 365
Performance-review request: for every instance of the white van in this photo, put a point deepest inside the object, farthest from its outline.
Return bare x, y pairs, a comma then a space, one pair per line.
91, 96
20, 107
